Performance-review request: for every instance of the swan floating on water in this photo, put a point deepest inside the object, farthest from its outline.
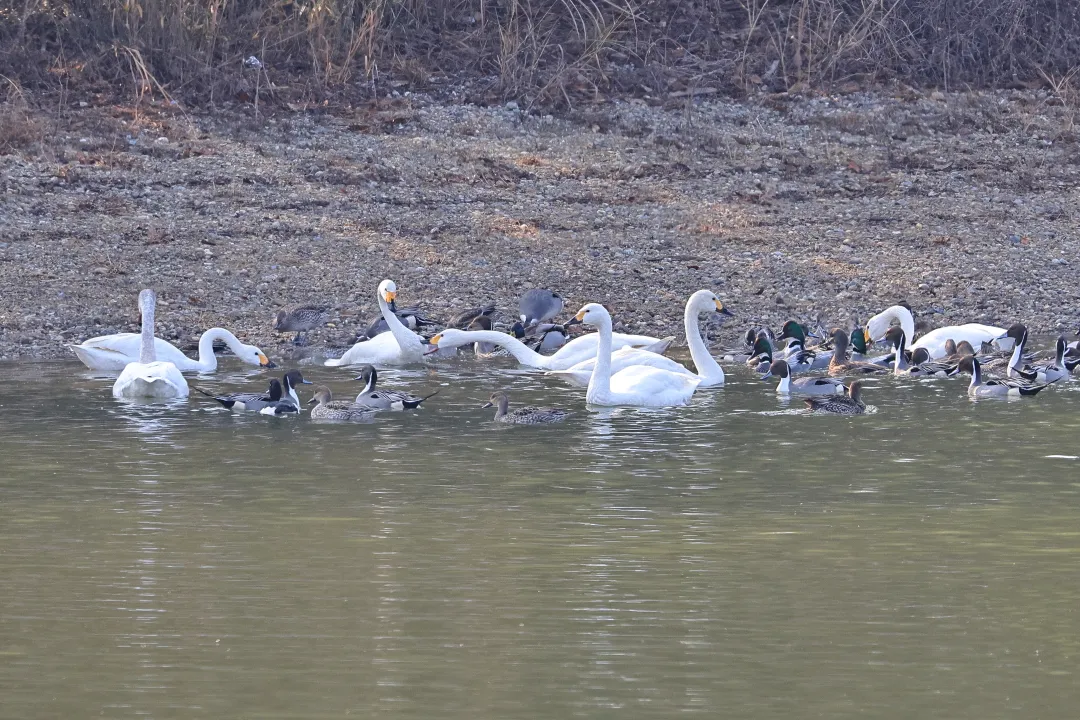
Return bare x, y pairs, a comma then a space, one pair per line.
708, 370
934, 341
114, 352
637, 385
149, 378
580, 348
400, 346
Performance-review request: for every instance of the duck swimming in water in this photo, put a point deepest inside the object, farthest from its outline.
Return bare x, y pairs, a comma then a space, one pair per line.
524, 415
850, 404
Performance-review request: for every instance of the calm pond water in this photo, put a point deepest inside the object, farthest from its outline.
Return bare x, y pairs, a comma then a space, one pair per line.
729, 559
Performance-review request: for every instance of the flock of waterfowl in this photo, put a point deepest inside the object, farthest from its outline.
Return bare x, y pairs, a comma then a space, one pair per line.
616, 368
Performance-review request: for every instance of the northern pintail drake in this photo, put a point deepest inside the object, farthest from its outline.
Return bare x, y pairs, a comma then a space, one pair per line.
253, 402
933, 341
400, 346
1049, 371
538, 305
922, 366
326, 408
583, 347
114, 352
841, 365
289, 382
850, 404
802, 386
301, 319
528, 415
385, 399
797, 354
546, 337
993, 359
999, 387
149, 378
637, 385
708, 370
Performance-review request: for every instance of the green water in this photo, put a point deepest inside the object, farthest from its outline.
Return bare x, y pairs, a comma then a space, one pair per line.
730, 559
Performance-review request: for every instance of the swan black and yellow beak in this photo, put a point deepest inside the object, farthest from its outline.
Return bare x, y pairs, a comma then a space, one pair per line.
434, 340
723, 310
265, 361
577, 319
389, 296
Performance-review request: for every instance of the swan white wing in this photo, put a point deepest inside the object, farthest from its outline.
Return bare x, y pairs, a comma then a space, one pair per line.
156, 380
654, 387
623, 358
114, 352
583, 348
383, 349
974, 333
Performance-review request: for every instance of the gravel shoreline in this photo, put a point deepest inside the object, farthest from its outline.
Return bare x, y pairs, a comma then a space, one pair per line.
825, 209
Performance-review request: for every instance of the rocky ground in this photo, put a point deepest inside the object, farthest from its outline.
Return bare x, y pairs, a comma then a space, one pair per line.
821, 208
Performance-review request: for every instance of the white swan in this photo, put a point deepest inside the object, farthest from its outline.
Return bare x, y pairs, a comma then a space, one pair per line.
575, 351
638, 385
149, 378
933, 341
114, 352
400, 346
710, 372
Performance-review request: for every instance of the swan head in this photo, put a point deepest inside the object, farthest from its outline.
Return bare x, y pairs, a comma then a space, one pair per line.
450, 338
388, 291
252, 355
706, 301
147, 300
878, 325
593, 314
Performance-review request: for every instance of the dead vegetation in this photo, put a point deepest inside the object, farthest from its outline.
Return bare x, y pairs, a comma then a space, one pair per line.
551, 52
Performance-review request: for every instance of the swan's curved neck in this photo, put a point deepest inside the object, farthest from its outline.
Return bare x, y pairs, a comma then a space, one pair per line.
706, 366
147, 351
402, 334
521, 352
600, 382
907, 322
207, 358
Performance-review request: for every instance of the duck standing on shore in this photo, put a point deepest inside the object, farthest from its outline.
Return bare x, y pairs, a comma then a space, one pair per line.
301, 319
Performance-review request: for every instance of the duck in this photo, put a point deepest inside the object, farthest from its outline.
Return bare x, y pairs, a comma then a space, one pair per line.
802, 386
841, 365
546, 337
528, 415
248, 401
326, 408
998, 387
933, 341
289, 381
583, 347
922, 366
400, 346
149, 378
114, 352
637, 385
708, 370
743, 353
850, 404
486, 350
385, 399
1049, 371
538, 305
411, 318
465, 318
301, 319
807, 360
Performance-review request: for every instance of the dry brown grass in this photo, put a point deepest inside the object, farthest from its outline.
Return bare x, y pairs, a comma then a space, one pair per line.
561, 52
20, 127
